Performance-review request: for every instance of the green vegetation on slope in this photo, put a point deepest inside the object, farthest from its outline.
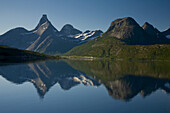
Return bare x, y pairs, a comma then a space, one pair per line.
110, 47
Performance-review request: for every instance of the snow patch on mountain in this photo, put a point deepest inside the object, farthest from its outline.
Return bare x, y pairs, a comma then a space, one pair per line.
88, 35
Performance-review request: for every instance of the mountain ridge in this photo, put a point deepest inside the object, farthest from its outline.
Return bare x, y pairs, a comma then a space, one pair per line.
125, 39
44, 38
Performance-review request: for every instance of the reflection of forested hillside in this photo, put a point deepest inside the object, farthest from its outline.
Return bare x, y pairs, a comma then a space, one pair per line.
125, 79
111, 70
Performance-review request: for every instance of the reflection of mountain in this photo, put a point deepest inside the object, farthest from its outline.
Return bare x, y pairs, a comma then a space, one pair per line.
129, 86
46, 74
124, 79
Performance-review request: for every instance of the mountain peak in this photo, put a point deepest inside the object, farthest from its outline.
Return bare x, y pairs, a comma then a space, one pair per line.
123, 23
124, 28
68, 29
152, 31
43, 19
87, 31
68, 26
147, 25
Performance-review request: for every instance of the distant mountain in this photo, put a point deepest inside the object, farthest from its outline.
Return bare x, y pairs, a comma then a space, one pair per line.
69, 30
157, 36
44, 38
50, 40
167, 33
88, 35
151, 30
19, 38
126, 39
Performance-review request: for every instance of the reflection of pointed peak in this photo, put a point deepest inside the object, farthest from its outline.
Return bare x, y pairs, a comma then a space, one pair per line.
40, 86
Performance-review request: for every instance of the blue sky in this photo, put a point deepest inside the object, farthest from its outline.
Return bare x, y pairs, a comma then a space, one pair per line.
82, 14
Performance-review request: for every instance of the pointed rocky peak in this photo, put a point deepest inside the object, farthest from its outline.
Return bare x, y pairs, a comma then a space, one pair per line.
43, 19
69, 30
150, 29
44, 25
148, 26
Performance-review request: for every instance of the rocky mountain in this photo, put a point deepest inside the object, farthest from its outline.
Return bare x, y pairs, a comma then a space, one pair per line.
126, 39
44, 38
88, 35
50, 40
167, 33
129, 31
69, 30
156, 35
151, 30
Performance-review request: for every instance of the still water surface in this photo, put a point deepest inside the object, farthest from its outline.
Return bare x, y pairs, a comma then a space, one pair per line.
63, 86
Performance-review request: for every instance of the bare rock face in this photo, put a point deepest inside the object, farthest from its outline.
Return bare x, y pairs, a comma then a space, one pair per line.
128, 30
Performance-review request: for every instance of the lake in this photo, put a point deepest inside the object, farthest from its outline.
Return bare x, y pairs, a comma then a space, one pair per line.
79, 86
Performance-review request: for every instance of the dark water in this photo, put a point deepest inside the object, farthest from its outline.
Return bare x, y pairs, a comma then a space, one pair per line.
85, 87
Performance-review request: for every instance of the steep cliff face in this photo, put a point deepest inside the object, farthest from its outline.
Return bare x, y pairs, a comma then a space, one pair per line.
128, 30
